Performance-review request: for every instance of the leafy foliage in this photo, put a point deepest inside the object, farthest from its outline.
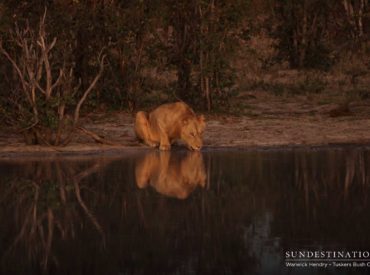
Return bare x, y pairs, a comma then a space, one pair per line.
160, 51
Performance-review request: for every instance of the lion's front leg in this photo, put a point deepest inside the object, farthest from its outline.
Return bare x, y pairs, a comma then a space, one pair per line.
142, 129
164, 142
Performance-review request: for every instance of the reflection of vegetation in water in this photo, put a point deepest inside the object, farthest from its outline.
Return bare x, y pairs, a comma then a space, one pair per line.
47, 200
315, 198
316, 195
254, 204
330, 199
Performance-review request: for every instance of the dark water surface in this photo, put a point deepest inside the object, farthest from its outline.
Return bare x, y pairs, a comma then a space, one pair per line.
215, 212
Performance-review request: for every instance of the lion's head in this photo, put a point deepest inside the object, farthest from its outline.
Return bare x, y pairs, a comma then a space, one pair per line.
192, 131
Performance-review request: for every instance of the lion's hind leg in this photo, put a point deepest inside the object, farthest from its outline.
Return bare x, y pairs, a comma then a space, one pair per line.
142, 129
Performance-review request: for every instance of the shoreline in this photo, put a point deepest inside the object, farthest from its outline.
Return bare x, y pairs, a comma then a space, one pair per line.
269, 123
76, 151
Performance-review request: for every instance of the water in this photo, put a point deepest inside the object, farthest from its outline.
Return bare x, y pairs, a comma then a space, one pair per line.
218, 212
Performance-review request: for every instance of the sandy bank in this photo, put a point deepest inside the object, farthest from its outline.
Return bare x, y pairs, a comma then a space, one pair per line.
280, 122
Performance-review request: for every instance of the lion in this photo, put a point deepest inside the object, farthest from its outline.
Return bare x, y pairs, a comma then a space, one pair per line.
173, 175
168, 123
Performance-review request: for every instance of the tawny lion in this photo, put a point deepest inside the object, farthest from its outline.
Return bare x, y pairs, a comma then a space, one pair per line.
168, 123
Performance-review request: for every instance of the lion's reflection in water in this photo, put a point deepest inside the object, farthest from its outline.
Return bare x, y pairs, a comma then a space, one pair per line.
171, 174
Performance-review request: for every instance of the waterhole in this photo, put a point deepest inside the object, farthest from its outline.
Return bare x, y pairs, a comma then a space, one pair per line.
212, 212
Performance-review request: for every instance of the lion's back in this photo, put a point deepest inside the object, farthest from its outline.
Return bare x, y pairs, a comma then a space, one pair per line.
172, 111
170, 116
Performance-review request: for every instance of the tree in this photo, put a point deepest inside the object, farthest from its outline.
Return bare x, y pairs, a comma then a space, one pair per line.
48, 87
204, 33
302, 29
355, 13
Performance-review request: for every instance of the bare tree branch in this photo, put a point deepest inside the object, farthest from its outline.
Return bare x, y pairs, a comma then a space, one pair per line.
18, 70
87, 92
96, 137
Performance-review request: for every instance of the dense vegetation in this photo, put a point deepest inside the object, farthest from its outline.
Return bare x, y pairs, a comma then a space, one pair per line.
59, 57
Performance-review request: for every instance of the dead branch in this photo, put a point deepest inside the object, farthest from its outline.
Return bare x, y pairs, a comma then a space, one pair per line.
29, 127
45, 49
88, 90
96, 137
17, 69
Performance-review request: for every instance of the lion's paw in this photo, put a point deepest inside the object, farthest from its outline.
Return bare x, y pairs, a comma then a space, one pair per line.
165, 147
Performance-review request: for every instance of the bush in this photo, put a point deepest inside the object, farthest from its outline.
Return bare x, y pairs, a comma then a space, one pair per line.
45, 101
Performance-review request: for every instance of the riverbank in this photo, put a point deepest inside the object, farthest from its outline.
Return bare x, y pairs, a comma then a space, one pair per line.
264, 122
